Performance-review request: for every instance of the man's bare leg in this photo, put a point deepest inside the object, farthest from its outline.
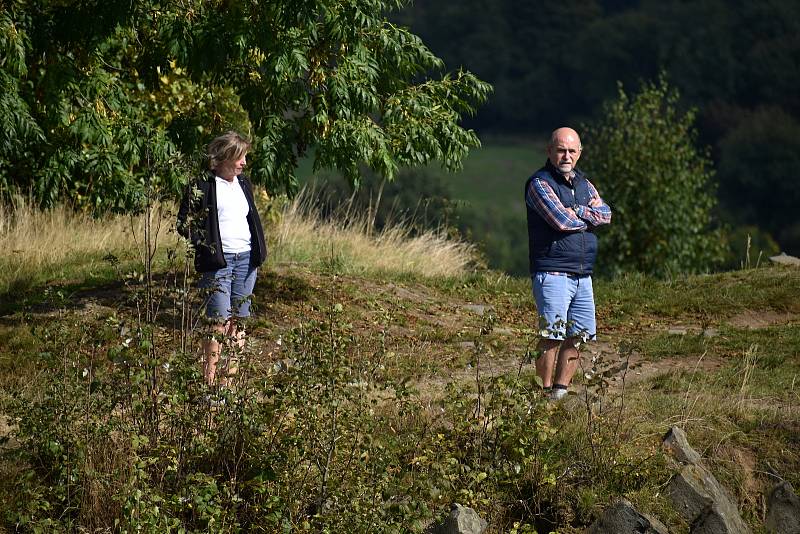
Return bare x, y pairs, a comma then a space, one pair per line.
568, 359
546, 362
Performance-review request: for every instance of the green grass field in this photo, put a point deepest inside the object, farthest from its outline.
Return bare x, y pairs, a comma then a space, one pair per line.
496, 173
492, 174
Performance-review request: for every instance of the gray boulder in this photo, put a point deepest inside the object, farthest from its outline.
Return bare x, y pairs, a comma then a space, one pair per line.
719, 520
785, 259
783, 510
623, 518
461, 520
704, 503
675, 441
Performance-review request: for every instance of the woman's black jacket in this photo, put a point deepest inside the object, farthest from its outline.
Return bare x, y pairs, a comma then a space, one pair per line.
198, 222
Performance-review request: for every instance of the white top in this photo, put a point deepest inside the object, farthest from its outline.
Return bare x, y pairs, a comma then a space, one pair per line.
232, 210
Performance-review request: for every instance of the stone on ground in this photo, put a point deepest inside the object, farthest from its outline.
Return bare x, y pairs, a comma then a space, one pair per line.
704, 503
783, 510
623, 518
785, 259
675, 441
462, 520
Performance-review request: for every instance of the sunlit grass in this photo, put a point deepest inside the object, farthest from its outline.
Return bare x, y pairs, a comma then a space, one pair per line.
740, 413
349, 244
705, 298
60, 243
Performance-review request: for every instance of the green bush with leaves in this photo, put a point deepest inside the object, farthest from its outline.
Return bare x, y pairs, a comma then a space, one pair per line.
642, 156
98, 94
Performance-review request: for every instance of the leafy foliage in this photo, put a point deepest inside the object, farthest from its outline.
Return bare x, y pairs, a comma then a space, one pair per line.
17, 126
657, 182
98, 95
521, 50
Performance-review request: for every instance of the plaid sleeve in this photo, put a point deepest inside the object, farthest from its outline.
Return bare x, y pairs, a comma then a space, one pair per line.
597, 212
541, 198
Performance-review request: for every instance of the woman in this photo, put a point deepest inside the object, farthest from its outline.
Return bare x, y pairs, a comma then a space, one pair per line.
219, 217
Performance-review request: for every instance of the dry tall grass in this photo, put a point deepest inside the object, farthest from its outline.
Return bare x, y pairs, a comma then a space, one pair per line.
350, 244
39, 245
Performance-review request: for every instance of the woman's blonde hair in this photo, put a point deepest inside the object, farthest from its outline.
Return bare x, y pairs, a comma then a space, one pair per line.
227, 147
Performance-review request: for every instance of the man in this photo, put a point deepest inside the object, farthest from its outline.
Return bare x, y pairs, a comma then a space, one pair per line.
563, 209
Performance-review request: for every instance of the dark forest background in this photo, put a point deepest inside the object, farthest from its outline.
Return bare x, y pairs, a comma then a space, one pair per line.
555, 63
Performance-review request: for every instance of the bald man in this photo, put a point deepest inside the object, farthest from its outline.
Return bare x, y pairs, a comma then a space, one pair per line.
563, 209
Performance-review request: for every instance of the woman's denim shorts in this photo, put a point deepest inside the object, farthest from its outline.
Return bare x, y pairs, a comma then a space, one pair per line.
230, 289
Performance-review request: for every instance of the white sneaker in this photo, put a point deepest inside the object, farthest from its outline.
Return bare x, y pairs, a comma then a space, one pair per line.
557, 394
214, 401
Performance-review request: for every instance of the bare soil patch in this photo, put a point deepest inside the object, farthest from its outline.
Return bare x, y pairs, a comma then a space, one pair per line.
761, 319
5, 429
641, 369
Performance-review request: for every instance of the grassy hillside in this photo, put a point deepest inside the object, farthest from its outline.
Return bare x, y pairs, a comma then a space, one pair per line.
370, 398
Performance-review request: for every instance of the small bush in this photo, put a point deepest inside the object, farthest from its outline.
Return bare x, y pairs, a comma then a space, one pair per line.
642, 157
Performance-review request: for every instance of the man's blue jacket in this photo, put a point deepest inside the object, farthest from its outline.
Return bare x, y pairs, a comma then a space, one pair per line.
554, 250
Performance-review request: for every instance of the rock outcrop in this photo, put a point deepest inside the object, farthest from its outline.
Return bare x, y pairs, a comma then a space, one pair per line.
697, 496
461, 520
623, 518
785, 259
704, 503
783, 510
675, 441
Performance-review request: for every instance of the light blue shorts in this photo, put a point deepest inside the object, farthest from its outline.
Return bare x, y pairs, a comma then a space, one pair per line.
230, 289
565, 303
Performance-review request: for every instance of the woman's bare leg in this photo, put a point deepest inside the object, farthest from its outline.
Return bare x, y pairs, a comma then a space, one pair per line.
234, 335
211, 352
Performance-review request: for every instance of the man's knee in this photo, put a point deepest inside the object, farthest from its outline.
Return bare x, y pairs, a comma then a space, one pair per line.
548, 345
571, 342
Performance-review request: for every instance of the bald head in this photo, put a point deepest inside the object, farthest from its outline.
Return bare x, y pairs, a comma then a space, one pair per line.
564, 149
564, 134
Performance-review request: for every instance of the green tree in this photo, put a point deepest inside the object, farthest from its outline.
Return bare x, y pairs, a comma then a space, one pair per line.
642, 156
109, 97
